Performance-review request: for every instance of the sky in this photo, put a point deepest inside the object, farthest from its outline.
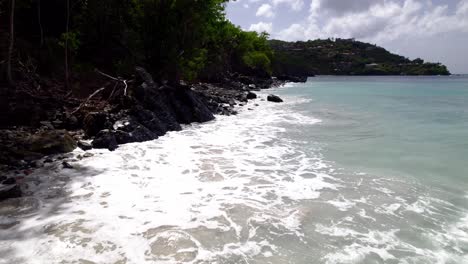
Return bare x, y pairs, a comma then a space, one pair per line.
434, 30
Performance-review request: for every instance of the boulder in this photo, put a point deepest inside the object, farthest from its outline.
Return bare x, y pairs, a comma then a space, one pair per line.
52, 142
139, 134
9, 188
84, 145
71, 122
158, 101
150, 120
186, 106
274, 98
67, 165
94, 122
128, 130
105, 139
251, 95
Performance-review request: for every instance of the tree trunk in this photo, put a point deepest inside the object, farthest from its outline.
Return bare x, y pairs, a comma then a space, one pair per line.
12, 43
39, 20
67, 75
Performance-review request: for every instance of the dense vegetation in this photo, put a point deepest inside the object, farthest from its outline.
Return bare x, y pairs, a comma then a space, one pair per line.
173, 39
345, 57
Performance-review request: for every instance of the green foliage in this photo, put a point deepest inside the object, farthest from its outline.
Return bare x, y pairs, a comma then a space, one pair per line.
345, 57
173, 39
229, 48
173, 34
73, 41
257, 60
191, 67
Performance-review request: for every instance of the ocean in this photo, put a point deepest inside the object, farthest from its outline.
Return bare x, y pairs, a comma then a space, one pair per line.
346, 170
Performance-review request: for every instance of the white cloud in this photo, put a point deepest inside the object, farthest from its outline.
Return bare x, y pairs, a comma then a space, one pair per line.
262, 27
295, 5
379, 22
265, 10
293, 32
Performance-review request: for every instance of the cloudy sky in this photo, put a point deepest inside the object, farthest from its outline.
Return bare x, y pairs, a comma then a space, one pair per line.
435, 30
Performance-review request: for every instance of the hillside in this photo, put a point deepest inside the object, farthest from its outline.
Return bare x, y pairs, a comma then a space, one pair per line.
345, 57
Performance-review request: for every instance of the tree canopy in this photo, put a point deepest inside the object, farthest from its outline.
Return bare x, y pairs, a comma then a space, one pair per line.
174, 39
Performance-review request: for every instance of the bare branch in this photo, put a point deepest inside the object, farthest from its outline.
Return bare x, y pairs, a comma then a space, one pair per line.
107, 75
87, 100
117, 79
125, 89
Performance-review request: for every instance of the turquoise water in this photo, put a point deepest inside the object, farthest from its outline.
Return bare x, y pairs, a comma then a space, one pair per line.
403, 126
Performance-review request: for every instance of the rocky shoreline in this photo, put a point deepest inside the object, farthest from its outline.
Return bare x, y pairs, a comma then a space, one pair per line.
145, 111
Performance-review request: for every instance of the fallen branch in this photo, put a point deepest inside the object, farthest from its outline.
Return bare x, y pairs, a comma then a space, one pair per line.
126, 86
87, 100
117, 79
113, 91
107, 75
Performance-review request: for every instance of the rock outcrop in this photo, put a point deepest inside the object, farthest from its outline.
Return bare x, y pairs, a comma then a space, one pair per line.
155, 109
251, 95
9, 188
146, 110
274, 98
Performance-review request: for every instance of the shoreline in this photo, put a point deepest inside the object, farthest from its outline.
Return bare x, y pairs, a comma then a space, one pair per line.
149, 112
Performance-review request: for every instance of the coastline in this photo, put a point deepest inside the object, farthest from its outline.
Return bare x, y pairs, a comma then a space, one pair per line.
148, 112
253, 185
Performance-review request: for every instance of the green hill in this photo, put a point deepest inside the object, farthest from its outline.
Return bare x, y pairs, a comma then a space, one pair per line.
345, 57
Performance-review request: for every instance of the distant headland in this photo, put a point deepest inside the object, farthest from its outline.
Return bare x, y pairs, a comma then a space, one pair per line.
345, 57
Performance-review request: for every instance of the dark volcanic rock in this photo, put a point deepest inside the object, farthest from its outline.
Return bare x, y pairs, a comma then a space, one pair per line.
105, 139
189, 108
150, 120
84, 145
128, 130
251, 95
139, 134
95, 122
274, 98
9, 188
71, 122
157, 101
67, 165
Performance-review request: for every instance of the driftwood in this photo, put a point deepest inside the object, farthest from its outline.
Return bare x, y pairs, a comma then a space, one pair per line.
87, 100
117, 79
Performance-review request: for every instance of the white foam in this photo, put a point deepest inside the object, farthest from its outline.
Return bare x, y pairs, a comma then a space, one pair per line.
342, 203
389, 209
165, 200
234, 190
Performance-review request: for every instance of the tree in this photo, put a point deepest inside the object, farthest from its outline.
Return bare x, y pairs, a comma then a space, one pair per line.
39, 22
12, 43
67, 73
174, 34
